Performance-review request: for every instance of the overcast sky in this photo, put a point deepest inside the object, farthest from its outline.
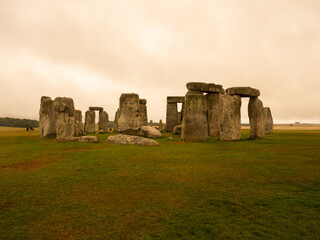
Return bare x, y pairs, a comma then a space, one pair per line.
93, 51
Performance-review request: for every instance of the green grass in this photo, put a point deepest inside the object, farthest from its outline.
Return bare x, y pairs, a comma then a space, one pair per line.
249, 189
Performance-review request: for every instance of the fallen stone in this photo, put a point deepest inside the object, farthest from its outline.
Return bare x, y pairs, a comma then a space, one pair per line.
243, 91
96, 109
204, 87
90, 122
65, 117
103, 122
88, 139
131, 140
268, 120
177, 129
47, 118
150, 132
230, 118
194, 124
256, 118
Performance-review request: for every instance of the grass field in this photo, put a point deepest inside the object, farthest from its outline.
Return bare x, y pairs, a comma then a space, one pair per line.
262, 189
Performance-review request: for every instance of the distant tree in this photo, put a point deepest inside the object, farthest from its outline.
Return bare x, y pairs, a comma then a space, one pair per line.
16, 122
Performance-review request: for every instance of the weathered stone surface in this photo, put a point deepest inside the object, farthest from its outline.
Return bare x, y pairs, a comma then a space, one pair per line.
115, 123
96, 109
243, 91
172, 116
268, 120
150, 132
47, 118
161, 128
256, 118
143, 112
230, 117
213, 103
78, 126
177, 129
128, 115
131, 140
67, 139
90, 122
65, 117
204, 87
151, 123
88, 139
103, 122
143, 101
194, 124
179, 118
175, 99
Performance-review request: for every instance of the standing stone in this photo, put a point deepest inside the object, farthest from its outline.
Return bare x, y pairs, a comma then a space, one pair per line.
90, 122
115, 123
78, 126
151, 123
230, 117
268, 120
103, 122
172, 116
179, 118
256, 118
128, 116
160, 125
194, 124
213, 102
47, 118
143, 112
65, 121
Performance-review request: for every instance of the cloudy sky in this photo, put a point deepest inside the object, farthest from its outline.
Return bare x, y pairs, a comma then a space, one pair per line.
95, 50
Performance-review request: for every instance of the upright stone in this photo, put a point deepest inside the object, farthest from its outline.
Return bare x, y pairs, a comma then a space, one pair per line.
172, 116
160, 125
194, 124
115, 123
103, 122
256, 118
47, 118
268, 120
90, 121
230, 117
128, 116
213, 103
78, 126
151, 123
143, 112
65, 121
179, 118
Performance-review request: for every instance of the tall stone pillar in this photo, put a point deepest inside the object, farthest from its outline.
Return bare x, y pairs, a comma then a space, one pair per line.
47, 118
172, 116
65, 121
78, 126
90, 119
230, 117
160, 125
268, 120
143, 112
256, 117
194, 124
103, 122
213, 102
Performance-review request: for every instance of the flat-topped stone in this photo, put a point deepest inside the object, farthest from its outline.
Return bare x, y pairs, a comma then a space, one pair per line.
175, 99
96, 109
243, 91
131, 140
143, 101
204, 87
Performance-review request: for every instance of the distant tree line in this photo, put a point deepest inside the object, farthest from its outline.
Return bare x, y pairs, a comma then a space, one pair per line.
16, 122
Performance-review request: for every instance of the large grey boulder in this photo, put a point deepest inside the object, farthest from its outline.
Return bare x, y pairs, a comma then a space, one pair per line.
143, 112
128, 116
243, 91
150, 132
78, 126
47, 118
90, 122
65, 121
177, 129
213, 103
256, 118
268, 120
194, 123
103, 122
131, 140
204, 87
230, 117
172, 116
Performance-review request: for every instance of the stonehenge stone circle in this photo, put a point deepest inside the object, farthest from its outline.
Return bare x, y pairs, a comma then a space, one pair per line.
256, 118
103, 122
78, 126
268, 120
230, 117
172, 116
47, 118
143, 112
89, 124
65, 120
213, 103
128, 116
243, 91
194, 123
150, 132
131, 140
